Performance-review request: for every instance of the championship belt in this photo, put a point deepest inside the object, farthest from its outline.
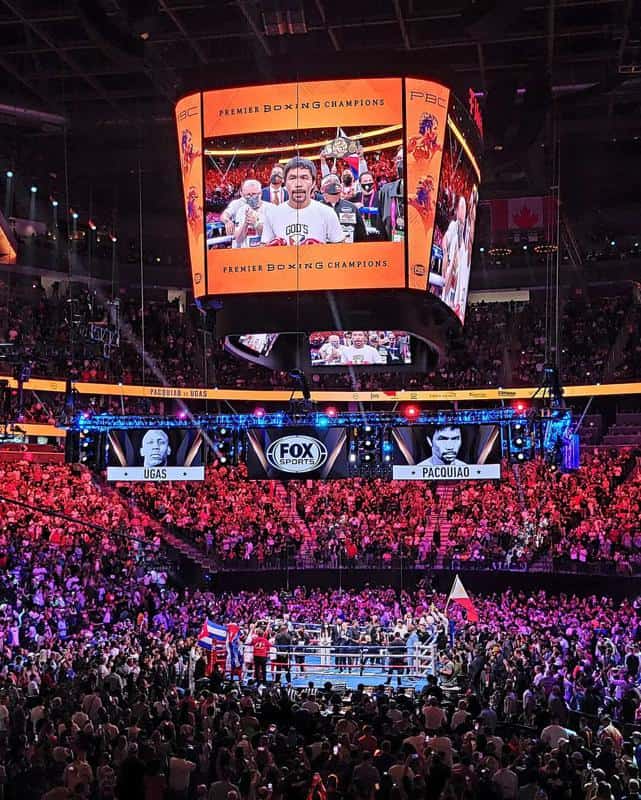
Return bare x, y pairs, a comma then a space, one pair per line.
340, 147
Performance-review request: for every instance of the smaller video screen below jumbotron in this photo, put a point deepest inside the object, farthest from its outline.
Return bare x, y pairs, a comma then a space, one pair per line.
359, 348
259, 343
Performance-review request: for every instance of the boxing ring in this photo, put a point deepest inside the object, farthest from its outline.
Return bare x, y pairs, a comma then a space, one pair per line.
365, 663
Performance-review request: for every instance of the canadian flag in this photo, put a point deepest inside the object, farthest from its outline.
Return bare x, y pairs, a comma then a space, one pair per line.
525, 213
521, 214
458, 594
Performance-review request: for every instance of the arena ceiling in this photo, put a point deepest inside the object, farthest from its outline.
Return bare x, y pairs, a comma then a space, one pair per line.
109, 71
123, 60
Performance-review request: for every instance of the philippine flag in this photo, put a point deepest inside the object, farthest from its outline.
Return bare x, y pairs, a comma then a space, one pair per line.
353, 162
459, 595
210, 634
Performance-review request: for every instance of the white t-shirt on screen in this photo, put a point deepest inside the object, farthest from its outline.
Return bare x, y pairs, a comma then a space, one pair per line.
316, 222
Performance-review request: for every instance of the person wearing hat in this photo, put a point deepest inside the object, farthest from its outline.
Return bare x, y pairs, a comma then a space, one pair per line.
348, 214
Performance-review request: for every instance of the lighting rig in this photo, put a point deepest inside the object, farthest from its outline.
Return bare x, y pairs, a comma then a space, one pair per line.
525, 432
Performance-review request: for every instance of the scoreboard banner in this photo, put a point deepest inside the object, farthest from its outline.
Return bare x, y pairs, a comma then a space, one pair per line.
297, 453
155, 454
446, 452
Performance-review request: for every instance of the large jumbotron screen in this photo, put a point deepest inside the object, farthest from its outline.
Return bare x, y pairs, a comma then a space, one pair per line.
392, 145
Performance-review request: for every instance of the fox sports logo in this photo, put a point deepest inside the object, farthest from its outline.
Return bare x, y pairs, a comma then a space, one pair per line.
297, 454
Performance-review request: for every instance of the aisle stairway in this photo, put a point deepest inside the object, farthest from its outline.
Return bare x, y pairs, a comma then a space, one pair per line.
307, 545
444, 491
186, 549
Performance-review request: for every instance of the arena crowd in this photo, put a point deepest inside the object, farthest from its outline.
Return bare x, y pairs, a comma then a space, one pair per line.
104, 692
504, 344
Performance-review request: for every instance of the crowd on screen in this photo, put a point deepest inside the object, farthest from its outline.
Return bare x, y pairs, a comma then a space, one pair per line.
502, 344
223, 185
105, 694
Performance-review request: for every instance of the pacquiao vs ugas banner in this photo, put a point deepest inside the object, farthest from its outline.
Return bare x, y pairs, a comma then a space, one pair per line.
448, 452
297, 453
155, 454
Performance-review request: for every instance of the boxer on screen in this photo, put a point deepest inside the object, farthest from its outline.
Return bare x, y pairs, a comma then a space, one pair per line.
301, 220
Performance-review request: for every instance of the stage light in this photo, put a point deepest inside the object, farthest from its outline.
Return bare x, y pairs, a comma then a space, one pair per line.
368, 442
525, 247
74, 215
352, 458
518, 442
114, 240
520, 407
34, 189
481, 249
9, 173
520, 456
54, 203
367, 428
182, 415
367, 457
411, 412
387, 458
331, 412
223, 431
92, 225
222, 460
259, 412
613, 243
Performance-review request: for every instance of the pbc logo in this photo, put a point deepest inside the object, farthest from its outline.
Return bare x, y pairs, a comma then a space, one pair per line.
419, 269
297, 454
192, 111
428, 97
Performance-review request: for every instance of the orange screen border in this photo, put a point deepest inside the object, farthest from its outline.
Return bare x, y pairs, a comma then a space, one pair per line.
391, 103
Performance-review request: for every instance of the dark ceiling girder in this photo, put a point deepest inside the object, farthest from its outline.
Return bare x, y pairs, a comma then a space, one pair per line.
175, 19
401, 24
15, 73
17, 11
249, 18
330, 29
459, 42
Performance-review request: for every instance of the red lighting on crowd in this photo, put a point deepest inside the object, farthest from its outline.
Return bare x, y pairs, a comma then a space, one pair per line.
331, 411
411, 412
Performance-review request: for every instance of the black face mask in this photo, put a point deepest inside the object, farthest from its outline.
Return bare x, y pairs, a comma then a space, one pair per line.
367, 187
347, 180
275, 180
